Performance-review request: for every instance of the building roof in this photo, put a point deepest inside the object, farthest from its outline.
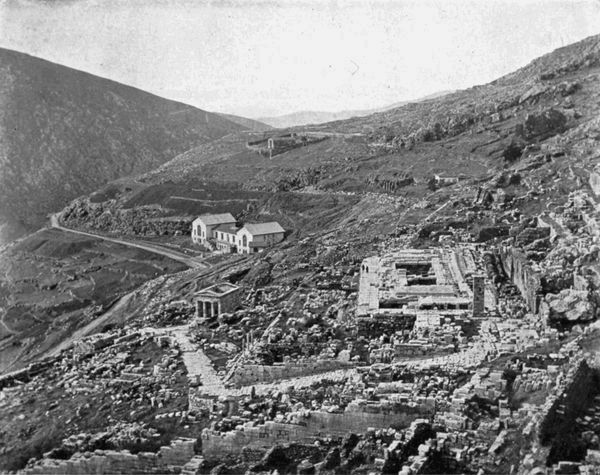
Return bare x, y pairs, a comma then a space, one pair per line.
212, 219
258, 229
226, 228
217, 290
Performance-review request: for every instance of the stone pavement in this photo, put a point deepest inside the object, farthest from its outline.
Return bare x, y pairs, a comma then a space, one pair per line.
198, 365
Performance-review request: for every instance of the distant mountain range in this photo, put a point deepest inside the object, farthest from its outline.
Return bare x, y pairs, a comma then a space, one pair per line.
250, 124
319, 117
64, 133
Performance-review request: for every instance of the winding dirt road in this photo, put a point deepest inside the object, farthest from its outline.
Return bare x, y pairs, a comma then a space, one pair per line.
193, 262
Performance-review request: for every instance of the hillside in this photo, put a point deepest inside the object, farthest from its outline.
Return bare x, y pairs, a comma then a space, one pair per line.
500, 181
64, 133
473, 134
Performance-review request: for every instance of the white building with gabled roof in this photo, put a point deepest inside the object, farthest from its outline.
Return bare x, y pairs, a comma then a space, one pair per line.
203, 226
255, 237
225, 237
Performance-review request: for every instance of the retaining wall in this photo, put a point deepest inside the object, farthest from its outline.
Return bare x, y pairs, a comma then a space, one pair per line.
318, 424
169, 459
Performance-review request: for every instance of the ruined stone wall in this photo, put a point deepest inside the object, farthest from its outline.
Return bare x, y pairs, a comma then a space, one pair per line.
199, 401
248, 374
520, 272
169, 459
318, 424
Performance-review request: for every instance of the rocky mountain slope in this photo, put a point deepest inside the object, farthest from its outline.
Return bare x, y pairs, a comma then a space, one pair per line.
319, 117
472, 135
64, 133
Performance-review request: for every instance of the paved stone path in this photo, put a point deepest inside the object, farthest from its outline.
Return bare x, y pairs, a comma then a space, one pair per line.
198, 365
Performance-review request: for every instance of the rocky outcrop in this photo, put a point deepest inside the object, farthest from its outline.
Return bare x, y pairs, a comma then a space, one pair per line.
540, 126
108, 217
569, 306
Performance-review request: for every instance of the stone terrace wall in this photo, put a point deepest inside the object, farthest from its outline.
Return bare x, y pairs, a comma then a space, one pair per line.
169, 459
319, 424
25, 374
520, 272
245, 375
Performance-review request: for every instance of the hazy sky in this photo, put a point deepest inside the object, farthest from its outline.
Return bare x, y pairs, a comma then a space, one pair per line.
258, 58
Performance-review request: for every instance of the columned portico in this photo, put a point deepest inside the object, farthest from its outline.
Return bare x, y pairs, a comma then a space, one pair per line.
215, 300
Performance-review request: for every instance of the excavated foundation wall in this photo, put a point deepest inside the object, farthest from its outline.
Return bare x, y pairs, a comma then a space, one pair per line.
169, 459
319, 424
525, 278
